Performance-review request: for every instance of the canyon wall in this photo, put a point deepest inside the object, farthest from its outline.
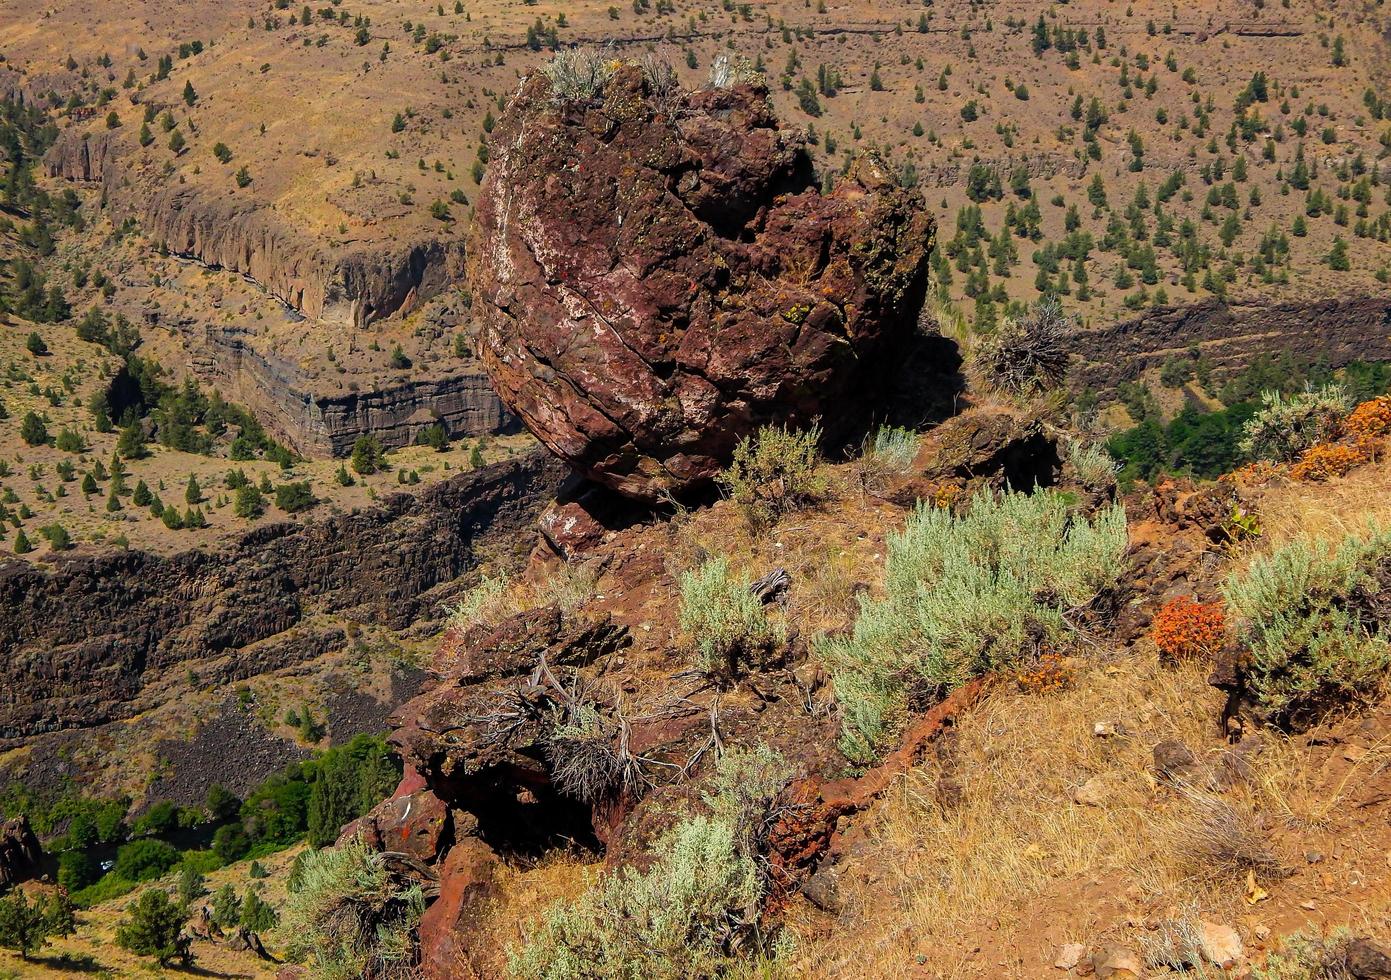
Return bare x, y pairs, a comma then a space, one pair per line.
316, 420
104, 636
347, 287
1231, 334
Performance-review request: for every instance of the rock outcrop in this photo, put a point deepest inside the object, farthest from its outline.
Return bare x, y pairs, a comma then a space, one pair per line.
106, 636
315, 420
21, 856
659, 275
347, 286
1231, 335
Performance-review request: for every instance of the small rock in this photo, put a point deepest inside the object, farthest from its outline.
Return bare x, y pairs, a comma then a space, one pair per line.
1368, 961
823, 890
1175, 761
1313, 857
1108, 729
1354, 753
1307, 905
1069, 955
1117, 963
1091, 793
1262, 932
1220, 945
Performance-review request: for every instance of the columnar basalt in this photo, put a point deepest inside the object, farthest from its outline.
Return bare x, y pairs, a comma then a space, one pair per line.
341, 285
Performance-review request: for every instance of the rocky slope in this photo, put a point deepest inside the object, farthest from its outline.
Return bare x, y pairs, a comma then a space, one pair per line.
106, 636
318, 418
686, 281
1232, 334
343, 285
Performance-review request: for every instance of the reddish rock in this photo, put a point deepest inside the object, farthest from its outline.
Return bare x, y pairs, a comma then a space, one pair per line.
20, 852
466, 879
414, 824
658, 275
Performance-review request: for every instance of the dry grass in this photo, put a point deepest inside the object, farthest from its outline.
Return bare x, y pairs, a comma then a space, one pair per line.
933, 871
1330, 510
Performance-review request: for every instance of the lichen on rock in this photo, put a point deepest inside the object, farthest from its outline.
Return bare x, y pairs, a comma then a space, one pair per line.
660, 274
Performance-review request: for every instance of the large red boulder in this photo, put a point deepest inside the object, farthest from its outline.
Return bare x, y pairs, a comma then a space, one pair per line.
659, 273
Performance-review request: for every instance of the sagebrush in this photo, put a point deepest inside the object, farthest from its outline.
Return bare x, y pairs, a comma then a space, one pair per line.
1312, 620
1286, 425
350, 917
965, 595
774, 472
693, 914
728, 625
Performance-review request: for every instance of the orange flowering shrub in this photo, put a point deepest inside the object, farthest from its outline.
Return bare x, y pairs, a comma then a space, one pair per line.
946, 495
1186, 628
1259, 473
1327, 459
1049, 675
1370, 419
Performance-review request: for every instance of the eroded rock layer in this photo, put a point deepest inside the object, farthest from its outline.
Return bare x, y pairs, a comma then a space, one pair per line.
105, 636
343, 285
1232, 334
659, 275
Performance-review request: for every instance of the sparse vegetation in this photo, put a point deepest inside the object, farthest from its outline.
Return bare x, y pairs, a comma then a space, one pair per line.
350, 916
1310, 616
965, 595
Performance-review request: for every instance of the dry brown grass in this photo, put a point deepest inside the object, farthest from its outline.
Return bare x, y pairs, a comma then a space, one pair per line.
932, 873
1330, 510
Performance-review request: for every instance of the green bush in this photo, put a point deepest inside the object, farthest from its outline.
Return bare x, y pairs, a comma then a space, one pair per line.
1283, 427
350, 917
249, 502
774, 472
725, 620
143, 860
154, 927
966, 595
294, 497
1313, 624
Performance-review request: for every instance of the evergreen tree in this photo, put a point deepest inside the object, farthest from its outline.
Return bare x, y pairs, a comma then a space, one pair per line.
153, 927
131, 443
226, 907
191, 885
190, 96
24, 927
193, 493
257, 915
32, 430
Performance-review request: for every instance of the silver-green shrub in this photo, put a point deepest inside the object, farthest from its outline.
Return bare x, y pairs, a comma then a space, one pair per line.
691, 914
774, 472
1093, 465
579, 74
893, 448
726, 622
350, 917
481, 603
965, 595
1313, 622
1286, 425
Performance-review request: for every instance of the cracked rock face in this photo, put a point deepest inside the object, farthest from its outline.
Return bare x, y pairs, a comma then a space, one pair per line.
659, 275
